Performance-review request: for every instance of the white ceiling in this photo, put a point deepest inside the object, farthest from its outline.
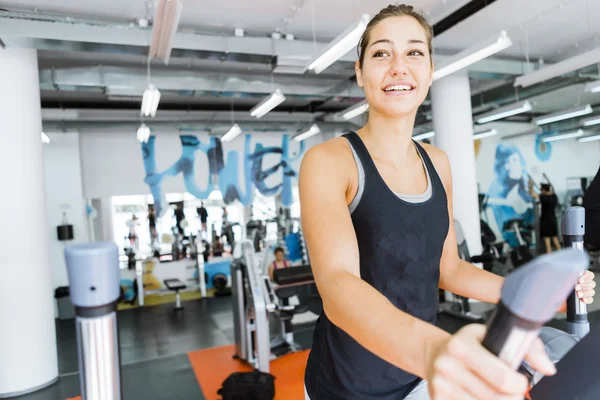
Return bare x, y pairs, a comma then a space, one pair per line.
257, 16
547, 28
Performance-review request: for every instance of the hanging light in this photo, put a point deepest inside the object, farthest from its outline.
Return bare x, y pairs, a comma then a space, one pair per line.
484, 134
311, 132
341, 45
355, 110
504, 112
232, 133
563, 136
473, 54
269, 103
565, 114
150, 101
425, 135
45, 138
143, 133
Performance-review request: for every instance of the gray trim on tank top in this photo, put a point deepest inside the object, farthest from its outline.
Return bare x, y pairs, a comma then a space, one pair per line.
409, 198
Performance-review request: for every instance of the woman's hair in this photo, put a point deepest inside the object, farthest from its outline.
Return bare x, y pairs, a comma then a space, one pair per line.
545, 187
399, 10
278, 250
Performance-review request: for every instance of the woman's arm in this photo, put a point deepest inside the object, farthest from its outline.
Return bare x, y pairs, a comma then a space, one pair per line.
349, 302
456, 275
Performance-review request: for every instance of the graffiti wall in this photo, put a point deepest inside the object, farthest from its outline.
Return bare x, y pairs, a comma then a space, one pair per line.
117, 164
504, 168
223, 172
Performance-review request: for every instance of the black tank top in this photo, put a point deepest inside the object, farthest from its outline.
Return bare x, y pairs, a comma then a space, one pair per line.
400, 246
591, 203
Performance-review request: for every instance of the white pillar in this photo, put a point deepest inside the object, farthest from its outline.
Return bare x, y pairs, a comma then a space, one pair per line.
453, 125
28, 357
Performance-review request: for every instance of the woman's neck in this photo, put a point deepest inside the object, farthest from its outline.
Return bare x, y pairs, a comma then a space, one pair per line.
390, 138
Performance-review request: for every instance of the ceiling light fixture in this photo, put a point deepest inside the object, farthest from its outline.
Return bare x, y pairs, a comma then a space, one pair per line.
45, 138
484, 134
143, 133
269, 103
593, 87
422, 136
232, 133
341, 45
563, 136
559, 68
504, 112
591, 121
355, 110
473, 54
150, 101
565, 114
589, 138
166, 20
305, 135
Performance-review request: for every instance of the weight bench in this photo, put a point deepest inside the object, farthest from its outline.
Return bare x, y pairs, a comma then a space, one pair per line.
176, 285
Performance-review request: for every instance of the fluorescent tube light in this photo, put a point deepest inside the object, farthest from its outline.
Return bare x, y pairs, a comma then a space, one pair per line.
311, 132
591, 121
563, 136
589, 138
565, 114
355, 110
560, 68
232, 133
504, 112
269, 103
150, 101
143, 133
164, 27
341, 45
484, 134
422, 136
593, 87
473, 54
45, 138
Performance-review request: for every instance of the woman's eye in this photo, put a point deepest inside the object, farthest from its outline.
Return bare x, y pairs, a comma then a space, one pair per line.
380, 53
415, 53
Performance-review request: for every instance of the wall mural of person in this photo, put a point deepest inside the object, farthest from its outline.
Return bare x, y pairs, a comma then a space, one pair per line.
508, 195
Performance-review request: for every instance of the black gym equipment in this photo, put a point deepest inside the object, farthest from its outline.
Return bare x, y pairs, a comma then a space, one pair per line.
454, 305
521, 254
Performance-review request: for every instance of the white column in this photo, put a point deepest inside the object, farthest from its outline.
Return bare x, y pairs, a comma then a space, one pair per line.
28, 358
453, 125
105, 214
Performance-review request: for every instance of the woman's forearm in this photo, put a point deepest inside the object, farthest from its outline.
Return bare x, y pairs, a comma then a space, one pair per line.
373, 321
474, 283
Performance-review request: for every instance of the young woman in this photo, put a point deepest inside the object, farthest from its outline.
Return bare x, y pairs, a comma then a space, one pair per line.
377, 214
280, 261
548, 221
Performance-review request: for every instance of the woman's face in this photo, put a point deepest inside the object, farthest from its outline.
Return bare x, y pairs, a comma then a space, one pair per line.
279, 256
514, 167
397, 72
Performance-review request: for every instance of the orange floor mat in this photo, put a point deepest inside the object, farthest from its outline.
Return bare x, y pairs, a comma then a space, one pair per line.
213, 366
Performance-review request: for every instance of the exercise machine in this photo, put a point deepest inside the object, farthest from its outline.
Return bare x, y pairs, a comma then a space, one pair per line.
454, 305
261, 308
526, 305
573, 230
521, 254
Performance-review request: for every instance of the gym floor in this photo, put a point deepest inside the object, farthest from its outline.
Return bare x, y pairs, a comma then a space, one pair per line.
155, 342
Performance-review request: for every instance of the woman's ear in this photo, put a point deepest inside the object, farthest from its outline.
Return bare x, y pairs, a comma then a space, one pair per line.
358, 71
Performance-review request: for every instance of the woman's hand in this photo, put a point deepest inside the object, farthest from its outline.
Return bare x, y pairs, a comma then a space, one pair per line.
460, 368
584, 289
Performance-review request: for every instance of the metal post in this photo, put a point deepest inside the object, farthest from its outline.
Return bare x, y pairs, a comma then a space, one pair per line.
94, 281
573, 230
